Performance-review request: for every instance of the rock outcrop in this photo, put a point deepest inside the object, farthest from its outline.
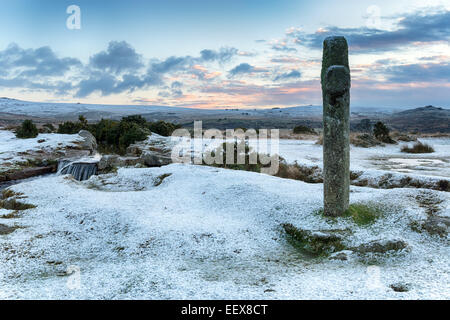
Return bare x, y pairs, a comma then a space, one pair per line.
155, 151
89, 142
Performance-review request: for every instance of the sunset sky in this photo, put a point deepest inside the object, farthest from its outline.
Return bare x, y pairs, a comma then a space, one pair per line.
217, 54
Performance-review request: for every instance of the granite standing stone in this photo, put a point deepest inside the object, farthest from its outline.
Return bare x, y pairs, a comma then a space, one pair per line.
335, 78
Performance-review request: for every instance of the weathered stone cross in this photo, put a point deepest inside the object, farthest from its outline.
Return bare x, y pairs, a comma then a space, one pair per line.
335, 79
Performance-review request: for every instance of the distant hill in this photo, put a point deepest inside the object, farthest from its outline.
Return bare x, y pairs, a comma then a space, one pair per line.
425, 119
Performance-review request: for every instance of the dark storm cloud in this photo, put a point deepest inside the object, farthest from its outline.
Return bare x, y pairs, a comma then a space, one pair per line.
119, 57
411, 28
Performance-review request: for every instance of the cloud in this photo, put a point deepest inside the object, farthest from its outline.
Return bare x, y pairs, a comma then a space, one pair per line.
118, 58
170, 64
35, 69
243, 68
40, 62
412, 28
108, 84
176, 85
432, 72
224, 54
293, 74
102, 82
283, 47
174, 91
174, 63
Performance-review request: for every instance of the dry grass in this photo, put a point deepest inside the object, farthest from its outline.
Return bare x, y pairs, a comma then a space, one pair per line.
160, 179
289, 134
299, 172
418, 147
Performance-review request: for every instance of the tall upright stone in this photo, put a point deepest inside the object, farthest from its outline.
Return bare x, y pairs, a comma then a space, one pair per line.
335, 78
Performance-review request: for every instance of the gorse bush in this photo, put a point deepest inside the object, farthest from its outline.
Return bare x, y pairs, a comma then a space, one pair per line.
115, 136
381, 132
163, 128
27, 130
70, 127
304, 129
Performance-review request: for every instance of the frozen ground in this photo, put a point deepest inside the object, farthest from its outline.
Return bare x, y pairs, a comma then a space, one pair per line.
206, 233
381, 158
195, 232
13, 150
375, 161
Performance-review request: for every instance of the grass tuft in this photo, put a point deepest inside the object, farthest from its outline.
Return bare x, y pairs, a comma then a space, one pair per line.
363, 214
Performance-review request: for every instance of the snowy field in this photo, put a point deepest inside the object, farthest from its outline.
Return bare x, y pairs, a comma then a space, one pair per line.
13, 150
206, 233
384, 158
375, 160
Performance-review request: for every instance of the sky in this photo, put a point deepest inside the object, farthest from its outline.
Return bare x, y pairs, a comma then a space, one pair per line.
222, 54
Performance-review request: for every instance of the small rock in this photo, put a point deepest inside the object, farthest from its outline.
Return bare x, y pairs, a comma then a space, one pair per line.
400, 287
41, 141
437, 225
365, 141
4, 229
381, 246
343, 255
154, 159
316, 242
111, 161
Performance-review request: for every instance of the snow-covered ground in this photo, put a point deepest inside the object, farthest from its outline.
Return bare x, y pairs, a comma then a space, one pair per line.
384, 158
197, 232
375, 161
206, 233
12, 149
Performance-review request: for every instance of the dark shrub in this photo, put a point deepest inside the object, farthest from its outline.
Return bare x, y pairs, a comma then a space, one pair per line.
69, 127
304, 129
381, 132
137, 119
115, 136
443, 185
130, 133
163, 128
27, 130
418, 147
50, 126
